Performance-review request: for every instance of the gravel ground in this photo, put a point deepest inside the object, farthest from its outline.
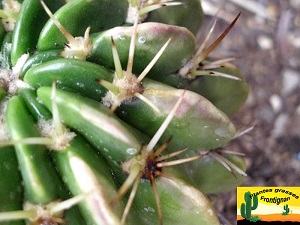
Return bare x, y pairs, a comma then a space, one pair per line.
266, 42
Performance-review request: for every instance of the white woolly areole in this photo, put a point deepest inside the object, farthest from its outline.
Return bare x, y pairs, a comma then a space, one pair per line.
132, 12
43, 212
79, 49
4, 77
9, 79
3, 129
13, 7
128, 87
188, 67
60, 142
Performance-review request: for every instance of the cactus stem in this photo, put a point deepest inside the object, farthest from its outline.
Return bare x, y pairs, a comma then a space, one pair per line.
53, 129
143, 164
126, 85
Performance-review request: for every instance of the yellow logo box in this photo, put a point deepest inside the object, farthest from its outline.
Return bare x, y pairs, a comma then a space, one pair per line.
268, 204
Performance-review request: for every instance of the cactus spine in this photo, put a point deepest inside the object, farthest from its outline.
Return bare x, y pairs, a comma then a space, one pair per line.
249, 205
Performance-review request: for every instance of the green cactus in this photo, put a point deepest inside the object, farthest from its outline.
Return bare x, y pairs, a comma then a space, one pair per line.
99, 115
287, 210
254, 219
249, 205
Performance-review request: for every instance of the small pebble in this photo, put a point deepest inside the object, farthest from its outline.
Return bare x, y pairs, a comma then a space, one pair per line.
280, 125
291, 80
276, 103
295, 4
265, 42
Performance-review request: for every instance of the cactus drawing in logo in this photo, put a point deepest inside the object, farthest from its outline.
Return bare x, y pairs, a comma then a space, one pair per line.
286, 210
249, 205
254, 219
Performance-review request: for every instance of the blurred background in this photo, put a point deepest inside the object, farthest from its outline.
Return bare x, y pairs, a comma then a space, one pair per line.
266, 44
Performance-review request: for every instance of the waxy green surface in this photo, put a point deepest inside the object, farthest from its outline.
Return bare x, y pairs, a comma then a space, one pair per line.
41, 181
78, 15
188, 15
181, 203
30, 22
85, 171
197, 124
80, 76
112, 136
226, 94
150, 39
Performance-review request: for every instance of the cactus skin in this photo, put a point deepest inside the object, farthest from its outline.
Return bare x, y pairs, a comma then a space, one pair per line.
287, 210
173, 201
248, 206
